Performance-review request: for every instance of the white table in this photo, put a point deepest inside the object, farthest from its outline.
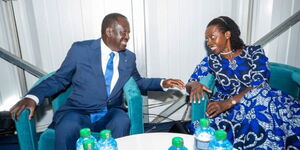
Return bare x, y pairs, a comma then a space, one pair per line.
152, 141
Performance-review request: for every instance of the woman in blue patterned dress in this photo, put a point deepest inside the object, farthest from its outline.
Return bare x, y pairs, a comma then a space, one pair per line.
254, 115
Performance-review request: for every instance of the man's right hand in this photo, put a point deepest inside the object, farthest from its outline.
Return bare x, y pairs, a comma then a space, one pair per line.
26, 103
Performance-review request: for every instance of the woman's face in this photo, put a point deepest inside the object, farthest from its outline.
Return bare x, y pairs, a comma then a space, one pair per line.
216, 40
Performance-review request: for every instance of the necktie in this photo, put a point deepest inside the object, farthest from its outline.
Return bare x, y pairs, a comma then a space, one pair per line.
109, 72
108, 77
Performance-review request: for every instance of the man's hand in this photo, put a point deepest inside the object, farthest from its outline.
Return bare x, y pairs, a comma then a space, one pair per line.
171, 83
26, 103
196, 91
217, 107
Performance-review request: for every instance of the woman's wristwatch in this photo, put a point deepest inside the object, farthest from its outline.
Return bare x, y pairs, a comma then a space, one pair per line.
233, 102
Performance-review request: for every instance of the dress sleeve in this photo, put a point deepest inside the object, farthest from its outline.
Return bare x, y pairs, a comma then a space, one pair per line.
201, 71
260, 72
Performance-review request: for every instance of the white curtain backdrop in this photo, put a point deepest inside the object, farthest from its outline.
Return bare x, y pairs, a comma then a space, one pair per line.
166, 35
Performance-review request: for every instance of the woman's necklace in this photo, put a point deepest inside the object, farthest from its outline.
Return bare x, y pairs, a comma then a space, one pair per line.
226, 53
232, 62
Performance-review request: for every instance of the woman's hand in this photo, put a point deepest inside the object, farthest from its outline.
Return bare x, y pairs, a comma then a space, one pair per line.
216, 107
196, 91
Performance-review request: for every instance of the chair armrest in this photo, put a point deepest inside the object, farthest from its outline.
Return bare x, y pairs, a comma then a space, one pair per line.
26, 131
135, 106
296, 77
199, 110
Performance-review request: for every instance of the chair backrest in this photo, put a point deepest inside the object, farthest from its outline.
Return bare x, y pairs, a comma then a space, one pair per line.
60, 98
283, 78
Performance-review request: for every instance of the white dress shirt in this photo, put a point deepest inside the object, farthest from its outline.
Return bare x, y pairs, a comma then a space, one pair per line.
105, 51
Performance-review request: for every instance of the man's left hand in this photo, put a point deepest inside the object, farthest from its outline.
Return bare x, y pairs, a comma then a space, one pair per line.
172, 83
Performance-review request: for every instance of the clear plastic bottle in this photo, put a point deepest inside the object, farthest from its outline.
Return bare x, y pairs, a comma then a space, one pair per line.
85, 134
203, 134
177, 144
220, 142
107, 142
89, 144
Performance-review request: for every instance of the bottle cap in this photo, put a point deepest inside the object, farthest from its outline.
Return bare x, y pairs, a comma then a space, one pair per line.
177, 141
88, 144
221, 134
204, 122
105, 134
85, 132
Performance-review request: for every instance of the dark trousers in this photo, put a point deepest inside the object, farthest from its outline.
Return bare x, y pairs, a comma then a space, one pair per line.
67, 128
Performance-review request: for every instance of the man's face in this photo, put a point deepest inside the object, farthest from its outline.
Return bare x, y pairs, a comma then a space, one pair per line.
119, 35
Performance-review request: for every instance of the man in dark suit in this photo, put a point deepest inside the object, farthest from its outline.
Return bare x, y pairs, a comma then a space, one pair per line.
97, 71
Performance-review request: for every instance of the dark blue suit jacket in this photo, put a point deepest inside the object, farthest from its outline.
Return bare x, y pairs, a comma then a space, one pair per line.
82, 70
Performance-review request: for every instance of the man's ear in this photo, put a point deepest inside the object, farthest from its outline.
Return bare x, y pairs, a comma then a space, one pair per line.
108, 32
227, 34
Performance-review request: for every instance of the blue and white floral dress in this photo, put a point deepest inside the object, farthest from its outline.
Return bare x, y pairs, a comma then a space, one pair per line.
265, 118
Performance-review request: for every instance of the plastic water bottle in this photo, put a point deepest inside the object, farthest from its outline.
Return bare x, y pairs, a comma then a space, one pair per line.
107, 142
177, 144
203, 135
89, 144
220, 142
85, 134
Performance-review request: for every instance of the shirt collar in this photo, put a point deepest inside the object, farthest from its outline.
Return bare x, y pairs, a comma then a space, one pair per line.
105, 50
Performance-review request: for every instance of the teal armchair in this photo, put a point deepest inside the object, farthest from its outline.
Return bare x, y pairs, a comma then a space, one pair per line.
26, 129
283, 77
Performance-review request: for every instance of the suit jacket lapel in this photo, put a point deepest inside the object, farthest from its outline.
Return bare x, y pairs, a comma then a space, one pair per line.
97, 63
122, 73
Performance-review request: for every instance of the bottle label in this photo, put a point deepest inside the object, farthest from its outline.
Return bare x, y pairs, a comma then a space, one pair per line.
219, 148
201, 145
